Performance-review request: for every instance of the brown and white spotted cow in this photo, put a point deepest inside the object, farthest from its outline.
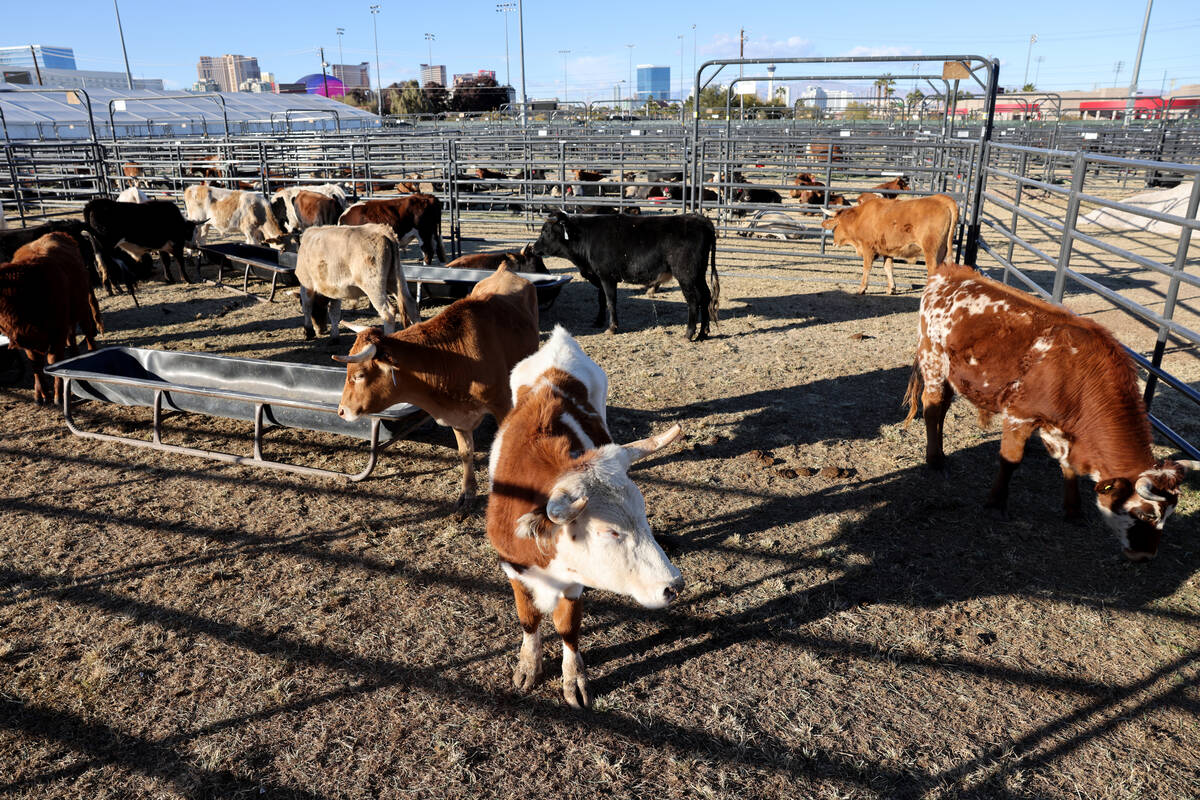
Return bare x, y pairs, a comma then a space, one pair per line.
563, 513
1044, 368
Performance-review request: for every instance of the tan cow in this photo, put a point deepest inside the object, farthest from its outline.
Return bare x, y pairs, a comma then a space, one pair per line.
563, 513
907, 229
454, 366
339, 263
231, 211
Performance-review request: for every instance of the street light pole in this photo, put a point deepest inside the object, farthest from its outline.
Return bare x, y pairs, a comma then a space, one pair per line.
521, 28
680, 38
564, 53
342, 63
129, 75
378, 76
1029, 52
429, 37
504, 8
632, 88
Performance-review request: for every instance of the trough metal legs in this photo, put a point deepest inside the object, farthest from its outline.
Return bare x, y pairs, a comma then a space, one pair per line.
256, 459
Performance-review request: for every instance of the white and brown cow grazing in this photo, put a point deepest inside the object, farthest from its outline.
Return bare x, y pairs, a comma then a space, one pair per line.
339, 263
455, 366
908, 229
417, 216
231, 211
1044, 368
563, 513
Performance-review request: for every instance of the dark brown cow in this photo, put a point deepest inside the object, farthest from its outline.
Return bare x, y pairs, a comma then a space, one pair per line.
563, 513
906, 229
40, 304
454, 366
416, 216
522, 261
1044, 368
814, 193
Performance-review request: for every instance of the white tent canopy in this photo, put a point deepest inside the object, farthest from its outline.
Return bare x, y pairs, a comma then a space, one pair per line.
62, 113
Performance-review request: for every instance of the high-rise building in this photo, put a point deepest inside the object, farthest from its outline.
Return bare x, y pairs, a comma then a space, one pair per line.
433, 73
353, 76
483, 73
653, 82
47, 57
229, 71
838, 99
816, 97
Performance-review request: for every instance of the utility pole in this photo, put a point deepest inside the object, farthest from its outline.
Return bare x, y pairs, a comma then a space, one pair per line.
1037, 70
341, 58
1028, 53
1137, 64
564, 53
504, 8
120, 30
378, 76
1117, 71
324, 78
36, 68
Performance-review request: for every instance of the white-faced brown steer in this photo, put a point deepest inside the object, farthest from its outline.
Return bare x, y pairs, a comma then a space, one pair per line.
563, 514
1043, 368
454, 366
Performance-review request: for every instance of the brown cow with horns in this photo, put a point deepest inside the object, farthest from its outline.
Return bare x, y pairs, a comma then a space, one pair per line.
1043, 368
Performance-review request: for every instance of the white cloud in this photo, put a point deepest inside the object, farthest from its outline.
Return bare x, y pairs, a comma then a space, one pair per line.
864, 50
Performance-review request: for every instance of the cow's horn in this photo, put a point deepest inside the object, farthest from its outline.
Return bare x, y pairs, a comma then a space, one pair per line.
1145, 488
562, 507
644, 447
366, 353
828, 213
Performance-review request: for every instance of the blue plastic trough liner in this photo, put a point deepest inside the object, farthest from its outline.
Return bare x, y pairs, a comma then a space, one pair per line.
267, 393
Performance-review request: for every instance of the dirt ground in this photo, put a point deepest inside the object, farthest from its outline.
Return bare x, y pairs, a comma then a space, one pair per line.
851, 626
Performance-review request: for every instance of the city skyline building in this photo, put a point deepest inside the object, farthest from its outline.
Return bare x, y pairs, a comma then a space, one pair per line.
47, 57
653, 82
353, 76
433, 73
229, 70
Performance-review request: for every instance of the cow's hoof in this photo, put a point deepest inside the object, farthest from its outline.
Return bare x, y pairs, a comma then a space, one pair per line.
464, 507
598, 323
527, 675
893, 290
611, 330
309, 334
861, 291
577, 692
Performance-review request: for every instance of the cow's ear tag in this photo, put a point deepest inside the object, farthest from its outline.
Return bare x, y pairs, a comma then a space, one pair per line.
566, 235
1105, 489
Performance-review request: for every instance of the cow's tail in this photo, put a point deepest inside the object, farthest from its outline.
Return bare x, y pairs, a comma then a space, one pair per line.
950, 233
715, 284
437, 235
405, 307
916, 385
94, 307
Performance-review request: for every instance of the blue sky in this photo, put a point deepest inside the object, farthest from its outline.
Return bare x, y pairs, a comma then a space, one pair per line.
1080, 42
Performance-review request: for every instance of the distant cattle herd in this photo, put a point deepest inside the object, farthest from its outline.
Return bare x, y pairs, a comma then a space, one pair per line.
562, 512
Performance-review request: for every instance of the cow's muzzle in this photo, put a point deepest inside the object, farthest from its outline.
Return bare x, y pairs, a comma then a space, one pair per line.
672, 590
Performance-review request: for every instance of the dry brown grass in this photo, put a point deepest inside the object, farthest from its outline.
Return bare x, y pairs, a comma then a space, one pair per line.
171, 627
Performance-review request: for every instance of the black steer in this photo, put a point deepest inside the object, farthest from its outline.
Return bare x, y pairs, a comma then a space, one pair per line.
745, 195
138, 228
609, 249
